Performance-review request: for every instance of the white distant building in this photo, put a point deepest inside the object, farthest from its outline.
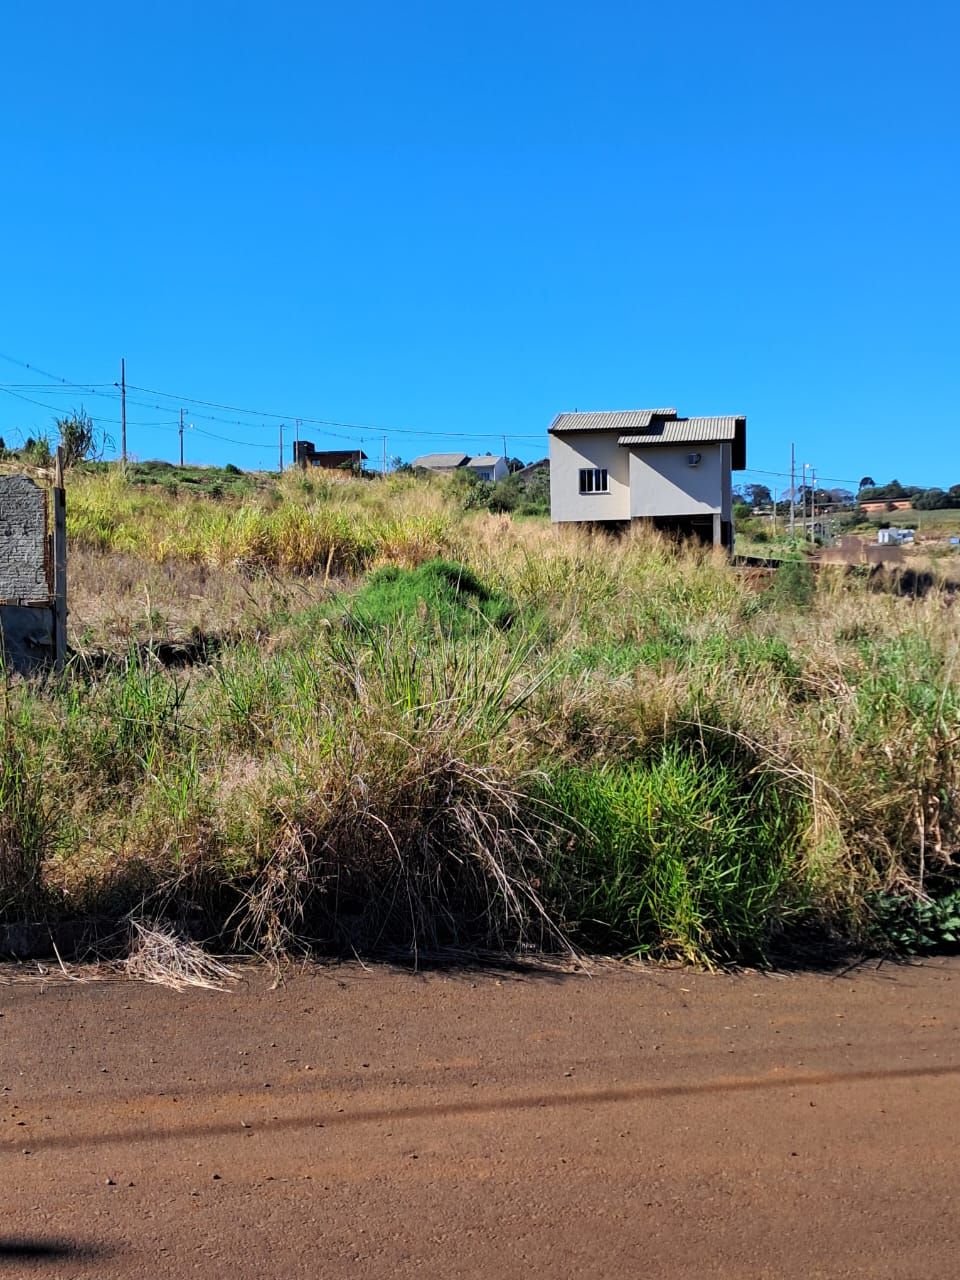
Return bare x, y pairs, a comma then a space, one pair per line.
647, 464
895, 537
489, 466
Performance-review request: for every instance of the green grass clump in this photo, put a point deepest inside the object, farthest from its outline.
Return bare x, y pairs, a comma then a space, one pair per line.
693, 852
794, 585
28, 817
438, 593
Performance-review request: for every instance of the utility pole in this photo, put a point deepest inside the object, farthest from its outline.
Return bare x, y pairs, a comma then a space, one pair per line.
281, 448
384, 455
504, 446
181, 437
793, 492
123, 409
296, 441
813, 504
803, 494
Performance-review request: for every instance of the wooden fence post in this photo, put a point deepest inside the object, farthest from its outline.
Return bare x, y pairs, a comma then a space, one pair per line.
59, 566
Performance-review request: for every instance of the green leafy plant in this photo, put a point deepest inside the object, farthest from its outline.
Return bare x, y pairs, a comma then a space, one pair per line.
913, 925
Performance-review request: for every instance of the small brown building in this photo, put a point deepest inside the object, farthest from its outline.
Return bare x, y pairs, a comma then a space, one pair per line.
886, 504
305, 455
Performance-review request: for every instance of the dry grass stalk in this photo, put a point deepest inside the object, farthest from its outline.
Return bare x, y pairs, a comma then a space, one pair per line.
160, 955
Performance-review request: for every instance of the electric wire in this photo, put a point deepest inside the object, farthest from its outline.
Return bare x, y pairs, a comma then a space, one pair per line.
58, 408
111, 391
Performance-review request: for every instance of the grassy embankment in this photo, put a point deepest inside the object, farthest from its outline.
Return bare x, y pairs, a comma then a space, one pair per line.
610, 742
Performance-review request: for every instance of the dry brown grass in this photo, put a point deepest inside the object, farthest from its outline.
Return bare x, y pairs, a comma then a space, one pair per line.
390, 783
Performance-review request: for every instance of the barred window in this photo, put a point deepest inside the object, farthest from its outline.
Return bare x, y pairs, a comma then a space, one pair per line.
593, 480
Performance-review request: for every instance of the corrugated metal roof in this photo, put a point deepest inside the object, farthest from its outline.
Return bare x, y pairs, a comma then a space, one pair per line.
617, 420
486, 460
685, 431
441, 460
696, 431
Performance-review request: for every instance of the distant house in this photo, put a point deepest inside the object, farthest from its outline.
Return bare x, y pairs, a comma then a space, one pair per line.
305, 455
647, 464
442, 462
542, 467
489, 466
886, 504
895, 537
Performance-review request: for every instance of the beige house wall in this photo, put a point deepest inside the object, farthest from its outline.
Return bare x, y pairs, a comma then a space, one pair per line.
663, 483
644, 481
568, 453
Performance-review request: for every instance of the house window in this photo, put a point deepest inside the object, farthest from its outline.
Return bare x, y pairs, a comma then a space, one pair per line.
593, 480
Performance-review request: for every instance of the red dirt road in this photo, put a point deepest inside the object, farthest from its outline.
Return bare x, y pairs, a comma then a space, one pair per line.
370, 1123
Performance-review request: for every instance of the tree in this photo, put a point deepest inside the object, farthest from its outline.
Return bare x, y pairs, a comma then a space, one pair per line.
932, 500
78, 437
36, 453
507, 494
758, 495
867, 482
515, 464
536, 494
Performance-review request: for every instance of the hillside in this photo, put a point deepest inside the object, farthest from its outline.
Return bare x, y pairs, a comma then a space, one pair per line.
351, 711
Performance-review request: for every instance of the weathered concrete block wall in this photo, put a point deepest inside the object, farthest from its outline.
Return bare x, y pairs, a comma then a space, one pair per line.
23, 541
27, 635
26, 638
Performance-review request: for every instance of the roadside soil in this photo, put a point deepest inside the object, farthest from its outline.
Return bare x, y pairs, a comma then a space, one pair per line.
368, 1122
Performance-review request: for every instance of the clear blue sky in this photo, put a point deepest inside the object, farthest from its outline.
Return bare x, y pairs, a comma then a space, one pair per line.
462, 218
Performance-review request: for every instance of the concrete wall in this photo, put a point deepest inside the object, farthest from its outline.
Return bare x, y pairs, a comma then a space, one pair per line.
662, 482
33, 582
26, 638
23, 540
570, 452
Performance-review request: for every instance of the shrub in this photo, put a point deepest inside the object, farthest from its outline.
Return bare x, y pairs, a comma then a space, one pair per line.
794, 585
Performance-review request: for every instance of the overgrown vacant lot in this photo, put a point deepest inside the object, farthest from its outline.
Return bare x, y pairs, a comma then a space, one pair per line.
396, 725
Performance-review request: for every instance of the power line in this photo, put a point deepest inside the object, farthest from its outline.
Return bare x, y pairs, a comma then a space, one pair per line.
246, 444
66, 388
754, 471
369, 428
43, 372
58, 408
113, 392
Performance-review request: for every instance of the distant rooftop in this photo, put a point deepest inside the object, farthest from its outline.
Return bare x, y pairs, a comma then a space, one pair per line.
436, 461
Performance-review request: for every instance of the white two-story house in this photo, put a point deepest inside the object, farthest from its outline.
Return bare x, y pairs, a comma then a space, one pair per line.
647, 464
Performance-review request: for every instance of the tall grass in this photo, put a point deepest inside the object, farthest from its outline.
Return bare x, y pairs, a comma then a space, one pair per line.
337, 527
696, 851
546, 737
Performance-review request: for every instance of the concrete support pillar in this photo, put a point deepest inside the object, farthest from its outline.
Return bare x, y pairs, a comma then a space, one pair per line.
717, 529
